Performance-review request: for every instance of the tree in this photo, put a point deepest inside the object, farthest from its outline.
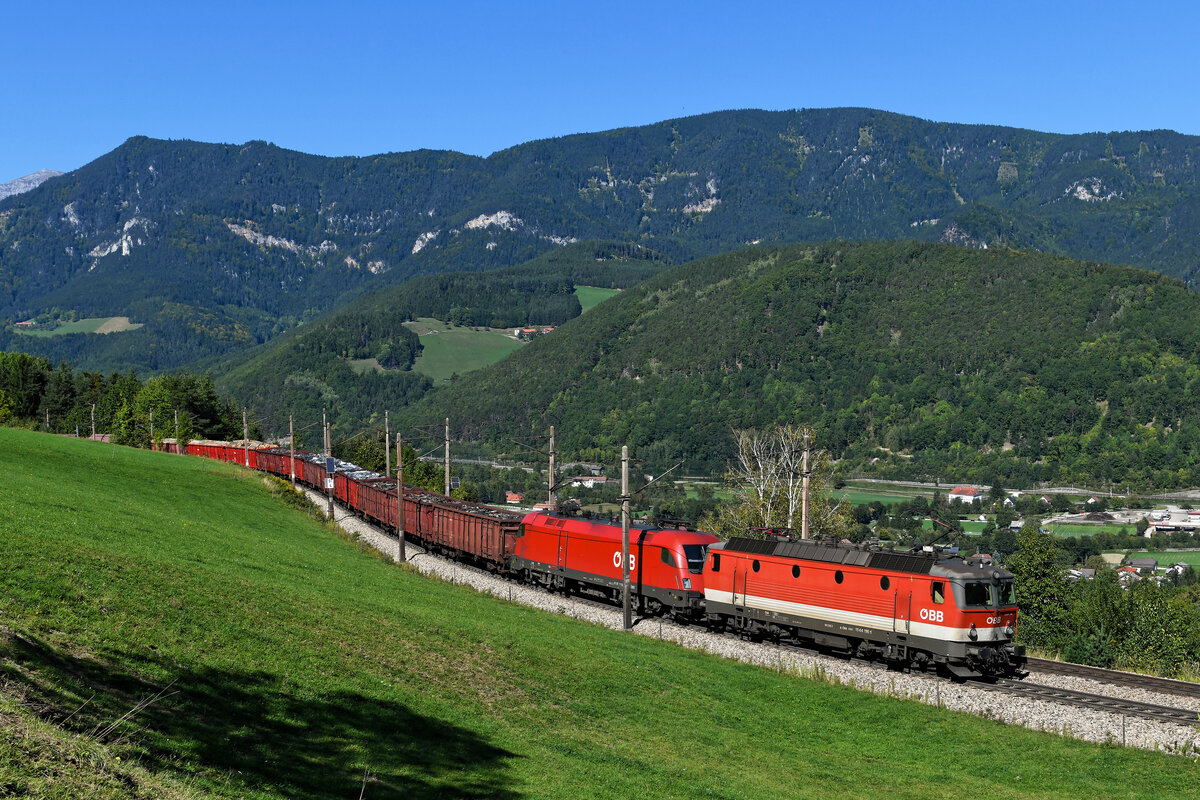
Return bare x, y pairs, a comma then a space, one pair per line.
1041, 585
767, 481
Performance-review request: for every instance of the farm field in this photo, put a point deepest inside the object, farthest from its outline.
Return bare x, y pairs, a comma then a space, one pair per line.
860, 497
280, 661
591, 296
89, 325
449, 350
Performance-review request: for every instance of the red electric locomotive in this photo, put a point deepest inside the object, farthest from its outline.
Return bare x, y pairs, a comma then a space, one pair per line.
920, 610
573, 553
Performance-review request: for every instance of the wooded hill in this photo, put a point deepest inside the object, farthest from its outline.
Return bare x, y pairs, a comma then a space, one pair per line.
244, 241
308, 369
911, 360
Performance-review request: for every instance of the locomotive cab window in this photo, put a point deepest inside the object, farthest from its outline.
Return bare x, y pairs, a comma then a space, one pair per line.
1008, 593
668, 557
716, 562
937, 591
695, 553
977, 594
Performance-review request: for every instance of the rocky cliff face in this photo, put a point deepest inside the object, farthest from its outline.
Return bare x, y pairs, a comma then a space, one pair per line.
28, 182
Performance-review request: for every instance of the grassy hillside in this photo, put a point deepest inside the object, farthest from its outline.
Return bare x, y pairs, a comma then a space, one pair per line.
590, 296
911, 360
282, 662
448, 350
331, 362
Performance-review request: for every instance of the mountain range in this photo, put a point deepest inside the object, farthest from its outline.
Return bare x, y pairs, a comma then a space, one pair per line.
980, 348
266, 237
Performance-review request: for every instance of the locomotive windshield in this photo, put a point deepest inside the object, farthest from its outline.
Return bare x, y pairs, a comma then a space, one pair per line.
978, 595
1008, 593
695, 557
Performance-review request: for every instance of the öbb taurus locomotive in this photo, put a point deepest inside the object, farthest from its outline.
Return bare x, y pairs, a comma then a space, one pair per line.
923, 610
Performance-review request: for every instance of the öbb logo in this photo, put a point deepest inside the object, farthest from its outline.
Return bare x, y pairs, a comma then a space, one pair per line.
632, 560
932, 615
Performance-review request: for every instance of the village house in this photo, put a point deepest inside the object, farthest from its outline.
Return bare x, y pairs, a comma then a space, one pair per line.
587, 481
965, 494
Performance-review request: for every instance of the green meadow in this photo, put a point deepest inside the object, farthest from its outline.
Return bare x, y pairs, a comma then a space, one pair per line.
178, 628
89, 325
590, 296
448, 350
1166, 558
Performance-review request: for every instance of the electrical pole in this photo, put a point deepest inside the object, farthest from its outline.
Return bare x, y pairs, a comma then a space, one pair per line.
625, 537
804, 492
246, 437
292, 445
151, 425
387, 446
178, 449
550, 482
447, 456
329, 472
400, 554
93, 420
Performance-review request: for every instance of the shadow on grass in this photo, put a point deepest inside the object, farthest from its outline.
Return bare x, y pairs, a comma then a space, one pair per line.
254, 731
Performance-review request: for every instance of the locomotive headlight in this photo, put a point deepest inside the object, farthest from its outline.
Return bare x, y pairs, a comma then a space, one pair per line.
687, 583
1009, 630
974, 634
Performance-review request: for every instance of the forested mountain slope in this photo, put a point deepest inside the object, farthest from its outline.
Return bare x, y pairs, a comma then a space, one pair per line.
913, 360
308, 370
262, 237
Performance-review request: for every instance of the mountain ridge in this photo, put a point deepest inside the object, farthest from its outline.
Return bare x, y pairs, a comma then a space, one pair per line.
270, 237
910, 360
27, 182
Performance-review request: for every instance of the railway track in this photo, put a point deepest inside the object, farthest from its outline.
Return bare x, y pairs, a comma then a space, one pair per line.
1094, 702
1133, 724
1116, 678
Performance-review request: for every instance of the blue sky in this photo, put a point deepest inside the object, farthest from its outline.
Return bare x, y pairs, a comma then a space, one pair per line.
356, 78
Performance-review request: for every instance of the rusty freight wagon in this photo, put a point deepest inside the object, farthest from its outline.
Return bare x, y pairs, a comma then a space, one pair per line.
464, 530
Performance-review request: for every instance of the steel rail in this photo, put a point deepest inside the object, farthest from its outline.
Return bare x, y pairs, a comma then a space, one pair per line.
1115, 677
1094, 702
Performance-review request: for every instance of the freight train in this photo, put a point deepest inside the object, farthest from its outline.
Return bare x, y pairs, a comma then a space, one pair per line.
926, 610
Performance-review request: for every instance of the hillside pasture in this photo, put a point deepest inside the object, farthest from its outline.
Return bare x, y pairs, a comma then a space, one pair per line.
100, 325
592, 296
447, 350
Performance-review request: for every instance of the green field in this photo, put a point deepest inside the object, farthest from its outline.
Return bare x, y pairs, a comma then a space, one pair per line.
859, 497
1076, 530
448, 350
173, 627
1166, 559
361, 366
590, 296
89, 325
